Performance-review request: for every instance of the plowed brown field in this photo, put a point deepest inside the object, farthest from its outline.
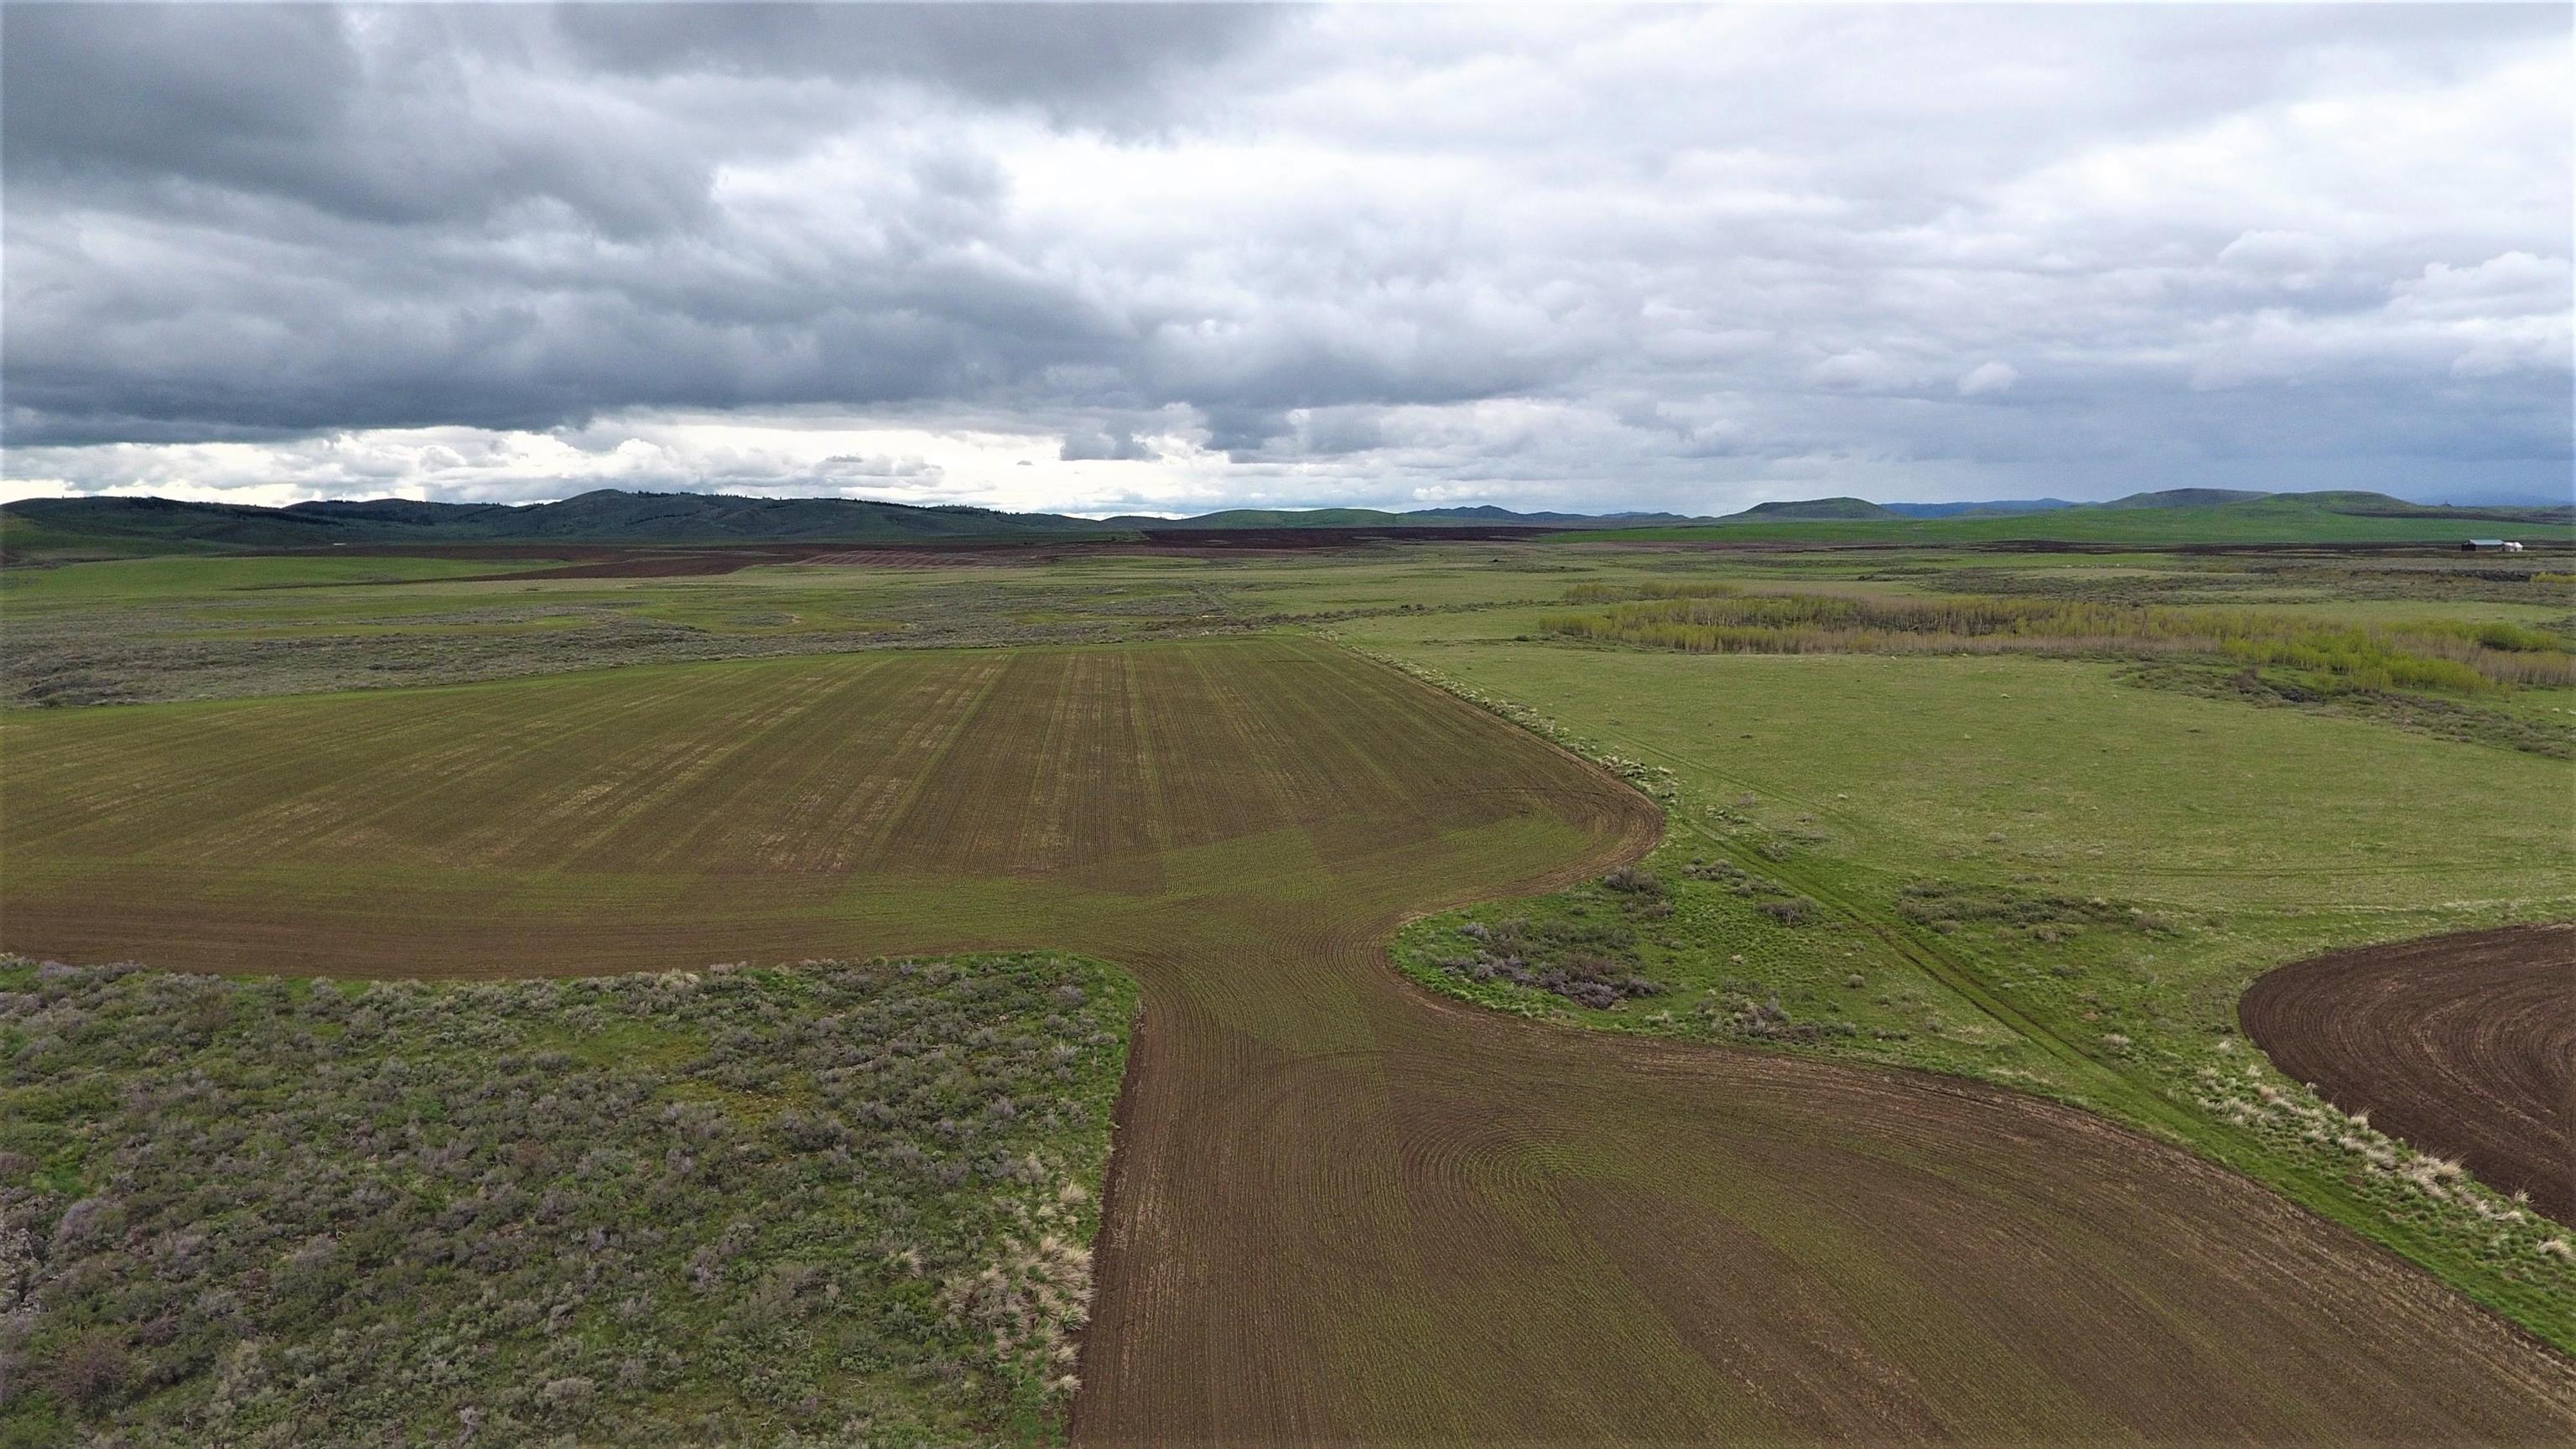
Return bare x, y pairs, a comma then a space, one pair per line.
1342, 1210
2462, 1045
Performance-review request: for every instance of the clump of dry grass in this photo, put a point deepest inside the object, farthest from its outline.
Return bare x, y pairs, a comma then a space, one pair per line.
2421, 1187
1031, 1298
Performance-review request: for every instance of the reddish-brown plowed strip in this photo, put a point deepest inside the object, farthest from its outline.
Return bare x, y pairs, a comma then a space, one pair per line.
2464, 1046
1471, 1230
1342, 1209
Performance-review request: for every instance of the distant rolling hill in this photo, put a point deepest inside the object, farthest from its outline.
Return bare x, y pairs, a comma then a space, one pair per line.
1809, 508
2180, 517
605, 516
73, 527
2187, 498
609, 516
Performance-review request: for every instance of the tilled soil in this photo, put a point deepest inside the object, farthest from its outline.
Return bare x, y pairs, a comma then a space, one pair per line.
2462, 1045
1467, 1228
1342, 1210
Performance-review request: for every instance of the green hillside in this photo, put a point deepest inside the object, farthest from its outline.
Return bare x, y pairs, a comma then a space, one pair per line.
59, 527
2190, 498
131, 525
2273, 518
1818, 508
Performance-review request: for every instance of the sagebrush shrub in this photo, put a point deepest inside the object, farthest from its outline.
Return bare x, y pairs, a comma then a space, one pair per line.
313, 1213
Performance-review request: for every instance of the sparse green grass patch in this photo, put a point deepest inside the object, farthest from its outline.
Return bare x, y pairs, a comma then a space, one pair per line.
1731, 956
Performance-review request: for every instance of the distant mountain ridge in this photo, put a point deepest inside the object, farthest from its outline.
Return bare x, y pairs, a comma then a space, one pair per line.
611, 516
601, 516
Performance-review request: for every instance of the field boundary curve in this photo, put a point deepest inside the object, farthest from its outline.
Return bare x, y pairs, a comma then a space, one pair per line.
2462, 1045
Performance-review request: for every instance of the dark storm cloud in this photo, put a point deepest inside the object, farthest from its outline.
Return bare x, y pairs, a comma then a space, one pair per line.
1681, 257
201, 91
431, 112
1095, 60
239, 221
187, 109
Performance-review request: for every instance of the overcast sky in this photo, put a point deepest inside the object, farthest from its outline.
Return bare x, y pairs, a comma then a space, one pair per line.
1169, 258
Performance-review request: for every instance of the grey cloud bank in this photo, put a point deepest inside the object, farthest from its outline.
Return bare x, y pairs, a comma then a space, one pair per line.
1173, 258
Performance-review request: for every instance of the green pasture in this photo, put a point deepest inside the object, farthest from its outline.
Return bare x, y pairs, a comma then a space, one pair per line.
216, 577
2030, 872
2269, 520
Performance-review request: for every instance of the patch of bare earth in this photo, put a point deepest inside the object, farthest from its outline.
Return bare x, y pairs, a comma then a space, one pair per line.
2463, 1045
1342, 1210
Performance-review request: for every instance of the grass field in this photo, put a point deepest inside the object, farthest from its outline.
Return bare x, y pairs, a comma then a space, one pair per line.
2027, 871
1341, 1208
200, 628
2004, 768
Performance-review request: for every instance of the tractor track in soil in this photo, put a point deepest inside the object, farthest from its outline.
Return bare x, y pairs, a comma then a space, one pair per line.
2463, 1045
1341, 1210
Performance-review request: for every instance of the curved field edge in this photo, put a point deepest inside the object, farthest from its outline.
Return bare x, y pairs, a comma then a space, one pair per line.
1360, 1216
1856, 980
2461, 1045
844, 1200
